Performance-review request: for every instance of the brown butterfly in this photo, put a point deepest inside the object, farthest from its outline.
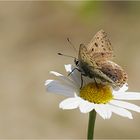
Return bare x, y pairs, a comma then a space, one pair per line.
94, 61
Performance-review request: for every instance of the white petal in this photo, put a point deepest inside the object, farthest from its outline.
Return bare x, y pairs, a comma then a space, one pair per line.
121, 111
56, 73
70, 103
126, 105
59, 88
68, 67
109, 113
124, 88
75, 75
64, 79
86, 106
127, 95
103, 110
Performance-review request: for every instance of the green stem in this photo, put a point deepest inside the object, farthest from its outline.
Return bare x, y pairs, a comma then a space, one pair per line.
91, 124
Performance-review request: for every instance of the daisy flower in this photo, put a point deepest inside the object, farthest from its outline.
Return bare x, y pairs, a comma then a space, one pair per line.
103, 99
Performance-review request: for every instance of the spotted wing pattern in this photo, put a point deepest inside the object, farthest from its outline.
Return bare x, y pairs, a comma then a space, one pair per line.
85, 57
100, 48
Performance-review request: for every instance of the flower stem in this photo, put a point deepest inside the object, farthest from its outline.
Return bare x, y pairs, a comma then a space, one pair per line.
91, 124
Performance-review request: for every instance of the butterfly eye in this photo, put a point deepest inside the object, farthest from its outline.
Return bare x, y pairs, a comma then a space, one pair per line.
76, 62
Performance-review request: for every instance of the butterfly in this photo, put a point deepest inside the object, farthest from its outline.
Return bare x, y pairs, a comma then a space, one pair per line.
95, 61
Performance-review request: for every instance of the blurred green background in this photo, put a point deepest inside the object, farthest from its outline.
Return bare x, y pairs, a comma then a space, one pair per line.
31, 34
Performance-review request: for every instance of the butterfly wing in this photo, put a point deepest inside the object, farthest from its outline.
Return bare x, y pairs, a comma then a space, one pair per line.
90, 67
114, 72
84, 56
100, 48
96, 55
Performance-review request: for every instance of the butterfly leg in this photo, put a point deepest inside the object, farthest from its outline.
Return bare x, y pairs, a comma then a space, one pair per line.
81, 81
96, 82
81, 76
73, 71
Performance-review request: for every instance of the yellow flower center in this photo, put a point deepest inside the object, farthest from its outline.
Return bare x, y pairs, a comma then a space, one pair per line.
98, 94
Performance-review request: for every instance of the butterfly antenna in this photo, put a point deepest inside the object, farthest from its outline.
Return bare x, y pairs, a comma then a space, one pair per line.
72, 44
66, 55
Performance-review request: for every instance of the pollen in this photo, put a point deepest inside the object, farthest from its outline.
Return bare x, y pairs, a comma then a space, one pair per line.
98, 94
